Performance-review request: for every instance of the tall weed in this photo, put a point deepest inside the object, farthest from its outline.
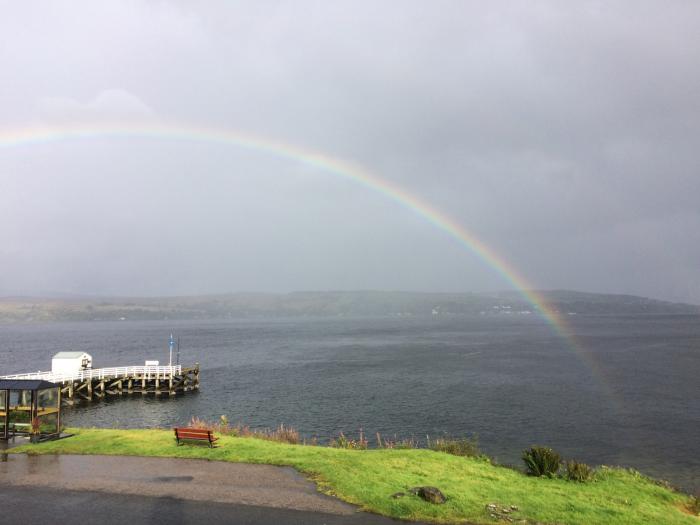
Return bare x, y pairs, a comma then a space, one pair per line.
576, 471
281, 434
355, 444
467, 447
396, 443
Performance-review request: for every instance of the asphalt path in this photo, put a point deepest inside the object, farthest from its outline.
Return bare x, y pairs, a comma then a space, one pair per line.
117, 489
29, 505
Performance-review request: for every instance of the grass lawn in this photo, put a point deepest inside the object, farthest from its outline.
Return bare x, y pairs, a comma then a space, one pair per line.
369, 477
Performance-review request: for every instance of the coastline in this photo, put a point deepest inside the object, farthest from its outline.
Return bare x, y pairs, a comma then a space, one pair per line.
368, 479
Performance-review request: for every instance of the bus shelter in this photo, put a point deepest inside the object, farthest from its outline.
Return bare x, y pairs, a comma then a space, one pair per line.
29, 407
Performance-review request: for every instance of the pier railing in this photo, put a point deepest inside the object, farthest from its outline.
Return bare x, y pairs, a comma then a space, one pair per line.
148, 372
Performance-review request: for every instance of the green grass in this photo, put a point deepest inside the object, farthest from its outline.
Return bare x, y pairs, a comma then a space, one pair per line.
368, 478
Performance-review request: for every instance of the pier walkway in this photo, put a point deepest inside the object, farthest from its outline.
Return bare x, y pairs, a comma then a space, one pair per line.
97, 383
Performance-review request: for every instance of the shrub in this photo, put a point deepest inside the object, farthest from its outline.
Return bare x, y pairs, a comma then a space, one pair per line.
576, 471
467, 447
541, 461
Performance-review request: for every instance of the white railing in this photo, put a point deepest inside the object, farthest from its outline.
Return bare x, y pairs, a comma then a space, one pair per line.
150, 372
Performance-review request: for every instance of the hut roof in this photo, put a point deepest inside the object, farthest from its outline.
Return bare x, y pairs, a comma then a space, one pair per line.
68, 355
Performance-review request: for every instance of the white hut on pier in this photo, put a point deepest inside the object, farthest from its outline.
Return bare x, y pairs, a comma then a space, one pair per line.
70, 362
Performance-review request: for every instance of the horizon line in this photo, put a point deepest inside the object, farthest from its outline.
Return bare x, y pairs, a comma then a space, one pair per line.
60, 295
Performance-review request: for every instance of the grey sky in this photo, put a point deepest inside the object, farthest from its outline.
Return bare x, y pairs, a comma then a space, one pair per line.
565, 136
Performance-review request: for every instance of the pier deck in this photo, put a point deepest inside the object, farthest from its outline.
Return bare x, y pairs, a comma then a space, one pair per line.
99, 383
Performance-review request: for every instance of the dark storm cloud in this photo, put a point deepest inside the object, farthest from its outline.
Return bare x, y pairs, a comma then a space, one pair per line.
564, 136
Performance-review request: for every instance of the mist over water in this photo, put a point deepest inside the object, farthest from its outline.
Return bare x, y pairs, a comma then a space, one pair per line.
508, 379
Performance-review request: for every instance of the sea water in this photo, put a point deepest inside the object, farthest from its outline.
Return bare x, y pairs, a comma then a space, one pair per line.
626, 392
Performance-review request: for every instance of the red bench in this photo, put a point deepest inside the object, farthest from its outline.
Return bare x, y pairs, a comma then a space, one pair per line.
195, 434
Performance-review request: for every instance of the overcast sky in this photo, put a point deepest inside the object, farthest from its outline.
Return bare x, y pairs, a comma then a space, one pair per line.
565, 135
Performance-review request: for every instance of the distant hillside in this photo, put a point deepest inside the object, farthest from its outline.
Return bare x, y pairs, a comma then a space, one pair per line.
361, 303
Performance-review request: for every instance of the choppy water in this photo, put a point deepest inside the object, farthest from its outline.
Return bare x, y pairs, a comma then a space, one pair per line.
509, 380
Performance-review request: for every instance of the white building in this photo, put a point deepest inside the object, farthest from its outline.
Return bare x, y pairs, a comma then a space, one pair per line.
69, 362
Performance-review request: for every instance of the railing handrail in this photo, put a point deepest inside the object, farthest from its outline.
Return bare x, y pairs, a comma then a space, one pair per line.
100, 373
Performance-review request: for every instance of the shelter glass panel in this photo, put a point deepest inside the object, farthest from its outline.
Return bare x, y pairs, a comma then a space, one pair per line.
19, 416
47, 400
47, 410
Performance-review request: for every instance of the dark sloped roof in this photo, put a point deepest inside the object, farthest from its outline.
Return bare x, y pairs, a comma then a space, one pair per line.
25, 384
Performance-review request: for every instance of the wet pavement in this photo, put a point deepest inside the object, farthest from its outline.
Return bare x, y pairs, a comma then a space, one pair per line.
38, 489
43, 505
16, 441
189, 479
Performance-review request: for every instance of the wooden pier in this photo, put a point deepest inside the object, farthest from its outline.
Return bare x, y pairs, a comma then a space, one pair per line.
99, 383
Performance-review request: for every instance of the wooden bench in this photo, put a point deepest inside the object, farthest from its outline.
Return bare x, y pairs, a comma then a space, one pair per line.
195, 434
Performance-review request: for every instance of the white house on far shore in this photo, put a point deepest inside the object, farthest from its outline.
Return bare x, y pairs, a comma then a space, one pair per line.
69, 362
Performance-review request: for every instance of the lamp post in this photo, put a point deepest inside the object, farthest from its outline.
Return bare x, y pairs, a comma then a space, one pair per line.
171, 345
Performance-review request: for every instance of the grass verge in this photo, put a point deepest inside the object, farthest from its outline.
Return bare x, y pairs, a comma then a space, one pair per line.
368, 478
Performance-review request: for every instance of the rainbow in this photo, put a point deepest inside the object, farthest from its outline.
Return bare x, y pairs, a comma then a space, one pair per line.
341, 168
37, 135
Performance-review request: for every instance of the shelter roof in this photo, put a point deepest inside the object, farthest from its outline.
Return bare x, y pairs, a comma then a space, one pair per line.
25, 384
